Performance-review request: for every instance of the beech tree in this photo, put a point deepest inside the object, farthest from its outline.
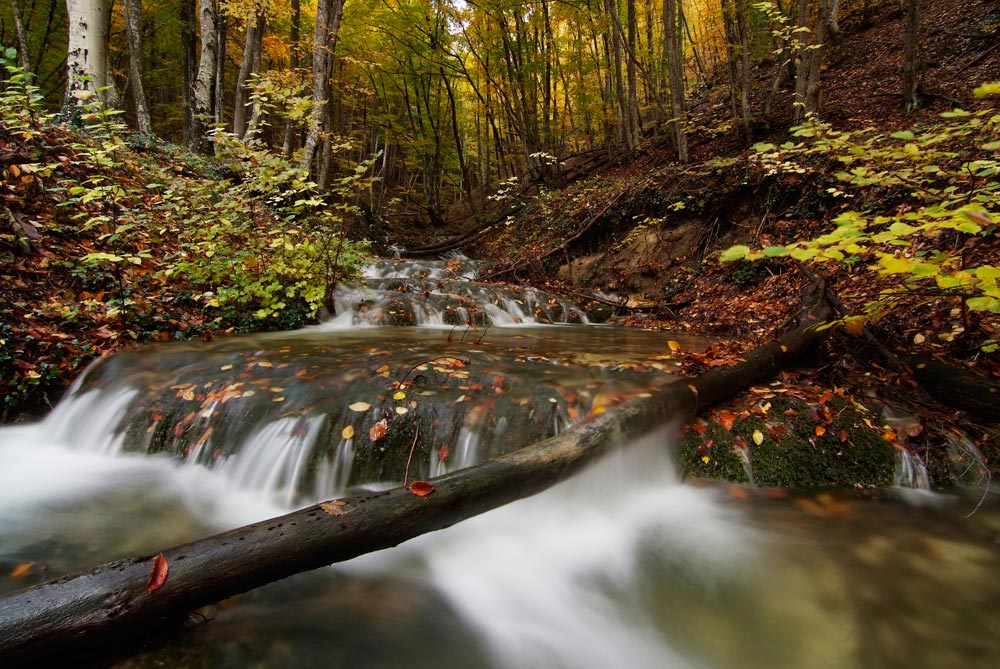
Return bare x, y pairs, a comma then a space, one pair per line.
88, 72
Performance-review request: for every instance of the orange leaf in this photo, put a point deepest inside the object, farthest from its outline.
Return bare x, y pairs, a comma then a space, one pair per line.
820, 430
337, 507
379, 430
158, 574
22, 570
443, 453
421, 488
726, 419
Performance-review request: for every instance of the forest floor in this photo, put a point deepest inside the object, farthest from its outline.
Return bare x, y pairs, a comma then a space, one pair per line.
645, 232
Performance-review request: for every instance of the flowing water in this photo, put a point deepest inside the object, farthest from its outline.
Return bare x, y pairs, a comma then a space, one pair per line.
621, 566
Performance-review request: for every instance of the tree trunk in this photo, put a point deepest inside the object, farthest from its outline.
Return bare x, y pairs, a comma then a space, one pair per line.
85, 613
288, 145
87, 53
910, 100
133, 29
328, 16
22, 37
675, 75
189, 67
250, 65
203, 107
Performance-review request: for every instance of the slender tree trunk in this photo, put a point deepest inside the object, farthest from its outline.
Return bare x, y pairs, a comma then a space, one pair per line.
910, 99
203, 104
675, 75
133, 30
294, 44
328, 17
250, 65
22, 37
189, 67
219, 87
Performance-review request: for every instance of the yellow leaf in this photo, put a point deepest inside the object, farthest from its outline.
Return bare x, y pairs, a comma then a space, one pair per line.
765, 407
402, 410
347, 432
758, 437
280, 398
399, 395
225, 368
919, 338
359, 406
674, 345
264, 363
706, 459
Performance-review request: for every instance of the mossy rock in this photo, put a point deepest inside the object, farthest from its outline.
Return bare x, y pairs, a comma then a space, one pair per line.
797, 449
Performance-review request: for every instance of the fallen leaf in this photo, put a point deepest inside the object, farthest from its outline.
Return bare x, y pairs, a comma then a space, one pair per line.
402, 410
359, 406
674, 345
820, 430
158, 574
379, 430
399, 395
347, 432
443, 453
726, 419
421, 488
337, 507
21, 570
738, 492
758, 437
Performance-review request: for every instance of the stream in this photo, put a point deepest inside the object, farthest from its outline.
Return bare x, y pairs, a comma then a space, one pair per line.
423, 371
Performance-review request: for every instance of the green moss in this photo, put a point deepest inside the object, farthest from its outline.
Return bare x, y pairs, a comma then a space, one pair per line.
791, 454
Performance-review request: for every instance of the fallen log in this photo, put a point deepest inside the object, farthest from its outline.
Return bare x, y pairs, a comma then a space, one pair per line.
86, 614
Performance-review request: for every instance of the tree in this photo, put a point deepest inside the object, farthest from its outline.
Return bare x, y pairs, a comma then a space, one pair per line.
329, 14
203, 104
910, 99
675, 76
133, 29
88, 73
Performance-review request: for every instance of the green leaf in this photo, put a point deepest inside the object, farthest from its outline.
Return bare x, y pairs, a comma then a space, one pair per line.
902, 134
775, 251
991, 88
738, 252
763, 147
984, 304
892, 265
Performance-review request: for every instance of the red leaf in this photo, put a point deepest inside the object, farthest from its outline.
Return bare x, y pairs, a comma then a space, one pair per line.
421, 488
158, 574
443, 453
379, 430
726, 419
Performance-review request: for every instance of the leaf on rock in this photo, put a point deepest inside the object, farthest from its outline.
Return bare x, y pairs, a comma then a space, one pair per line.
359, 406
758, 437
421, 488
379, 430
347, 432
158, 574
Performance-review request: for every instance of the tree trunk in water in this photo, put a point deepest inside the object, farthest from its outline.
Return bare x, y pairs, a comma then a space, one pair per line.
328, 16
675, 75
910, 100
133, 29
125, 599
203, 107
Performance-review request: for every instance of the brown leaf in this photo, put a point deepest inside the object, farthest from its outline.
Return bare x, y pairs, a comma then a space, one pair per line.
158, 574
443, 453
421, 488
379, 430
337, 507
726, 419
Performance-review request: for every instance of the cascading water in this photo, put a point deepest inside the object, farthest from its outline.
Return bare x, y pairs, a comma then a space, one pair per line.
620, 566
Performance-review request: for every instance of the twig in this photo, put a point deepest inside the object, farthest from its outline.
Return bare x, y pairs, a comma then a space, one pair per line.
406, 472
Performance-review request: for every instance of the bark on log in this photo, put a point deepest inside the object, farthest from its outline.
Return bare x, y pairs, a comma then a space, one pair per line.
84, 614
